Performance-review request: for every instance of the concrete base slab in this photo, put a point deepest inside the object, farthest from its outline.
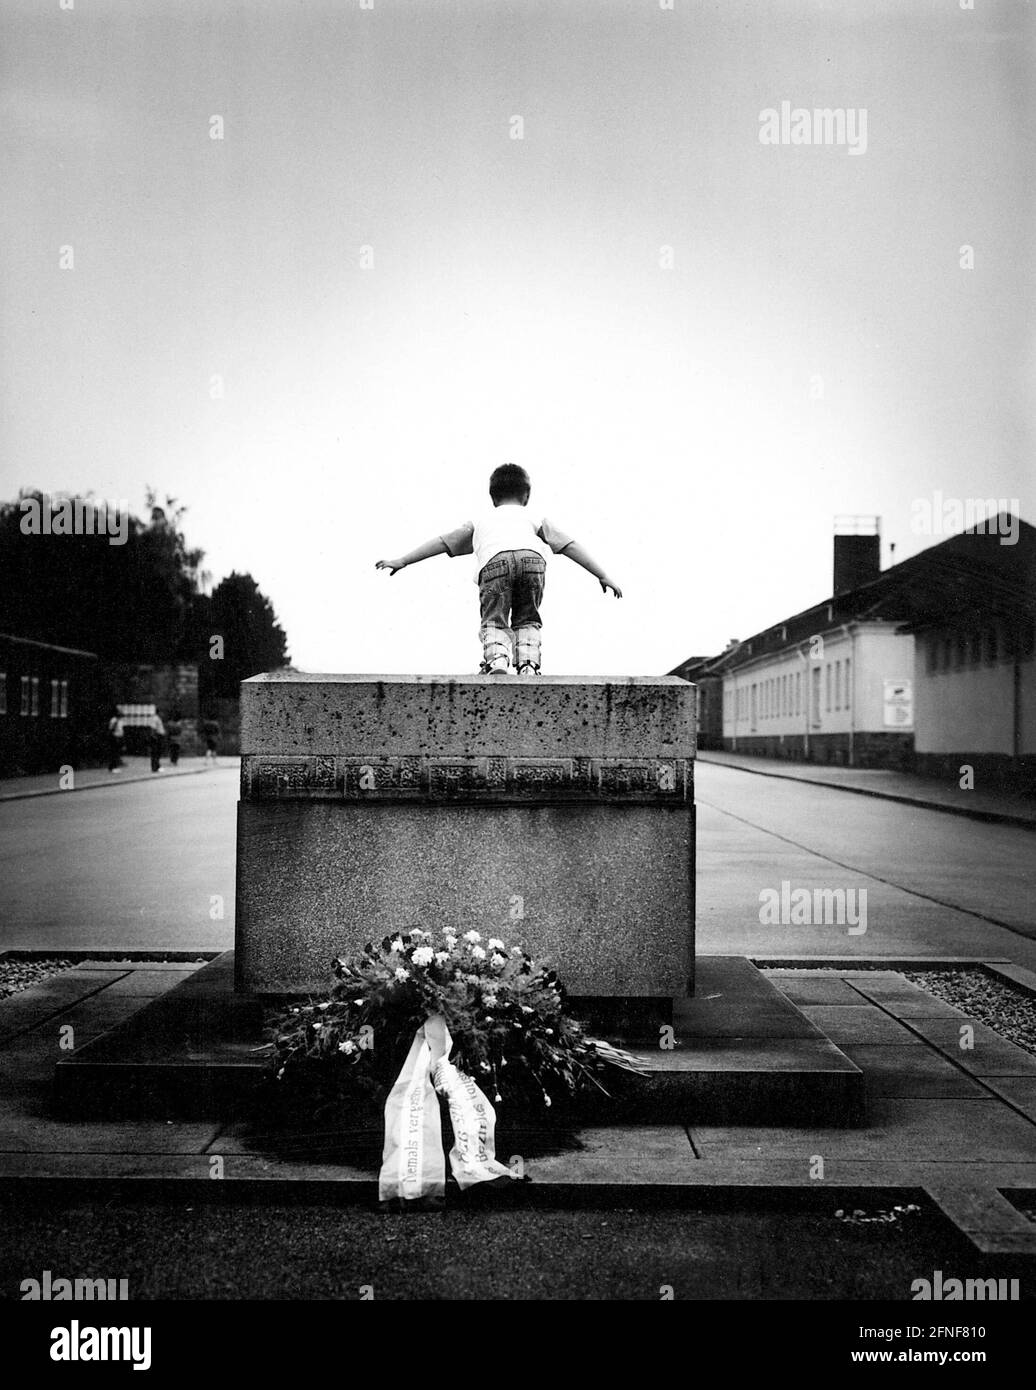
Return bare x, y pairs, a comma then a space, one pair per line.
741, 1053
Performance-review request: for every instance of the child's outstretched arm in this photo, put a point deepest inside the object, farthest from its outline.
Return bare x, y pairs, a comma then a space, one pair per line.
575, 551
423, 552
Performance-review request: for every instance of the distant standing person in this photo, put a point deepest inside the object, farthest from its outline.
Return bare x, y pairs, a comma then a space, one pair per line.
211, 741
116, 736
156, 732
174, 734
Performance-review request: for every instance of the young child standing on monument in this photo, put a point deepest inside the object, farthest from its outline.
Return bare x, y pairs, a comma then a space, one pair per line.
510, 548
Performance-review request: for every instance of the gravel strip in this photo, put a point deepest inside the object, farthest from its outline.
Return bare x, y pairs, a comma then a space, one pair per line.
16, 975
1008, 1011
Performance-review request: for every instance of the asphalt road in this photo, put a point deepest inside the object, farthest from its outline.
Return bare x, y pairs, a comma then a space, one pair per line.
134, 866
150, 865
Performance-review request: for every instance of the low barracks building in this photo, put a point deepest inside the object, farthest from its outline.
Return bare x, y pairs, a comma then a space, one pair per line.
927, 666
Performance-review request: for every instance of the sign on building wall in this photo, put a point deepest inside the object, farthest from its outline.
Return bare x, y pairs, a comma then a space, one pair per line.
899, 704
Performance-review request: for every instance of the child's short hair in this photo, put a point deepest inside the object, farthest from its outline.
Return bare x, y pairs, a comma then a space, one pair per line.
509, 482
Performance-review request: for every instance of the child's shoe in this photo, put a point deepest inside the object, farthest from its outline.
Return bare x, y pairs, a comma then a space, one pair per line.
528, 669
499, 666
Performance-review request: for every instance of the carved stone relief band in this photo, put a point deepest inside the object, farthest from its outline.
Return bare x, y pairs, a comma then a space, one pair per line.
415, 778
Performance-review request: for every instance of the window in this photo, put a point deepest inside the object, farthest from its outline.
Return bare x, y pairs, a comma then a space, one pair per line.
991, 645
962, 650
947, 653
838, 685
3, 692
848, 687
25, 695
827, 686
59, 699
975, 656
35, 696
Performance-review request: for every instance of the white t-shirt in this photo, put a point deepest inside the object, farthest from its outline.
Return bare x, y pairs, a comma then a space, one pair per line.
511, 526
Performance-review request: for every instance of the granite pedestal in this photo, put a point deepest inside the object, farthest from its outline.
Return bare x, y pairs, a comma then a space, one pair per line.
556, 812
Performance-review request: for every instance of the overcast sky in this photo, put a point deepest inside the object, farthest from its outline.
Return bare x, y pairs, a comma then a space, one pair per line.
814, 347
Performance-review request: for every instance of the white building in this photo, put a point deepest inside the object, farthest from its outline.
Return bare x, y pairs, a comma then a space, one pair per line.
839, 692
928, 665
974, 624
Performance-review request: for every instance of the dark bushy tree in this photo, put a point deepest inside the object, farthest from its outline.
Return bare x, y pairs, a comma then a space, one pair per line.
252, 639
137, 602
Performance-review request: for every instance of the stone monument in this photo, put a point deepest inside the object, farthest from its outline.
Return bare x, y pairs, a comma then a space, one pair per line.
557, 812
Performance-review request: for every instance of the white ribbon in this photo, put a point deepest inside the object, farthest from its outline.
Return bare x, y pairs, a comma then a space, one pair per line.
413, 1165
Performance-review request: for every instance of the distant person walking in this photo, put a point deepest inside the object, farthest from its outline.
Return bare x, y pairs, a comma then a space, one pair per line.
174, 734
211, 731
116, 738
156, 733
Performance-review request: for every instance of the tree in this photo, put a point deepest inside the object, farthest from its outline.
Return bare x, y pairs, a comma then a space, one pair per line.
105, 581
252, 640
139, 600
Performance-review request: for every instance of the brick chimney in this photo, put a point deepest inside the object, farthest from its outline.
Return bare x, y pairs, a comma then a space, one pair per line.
857, 552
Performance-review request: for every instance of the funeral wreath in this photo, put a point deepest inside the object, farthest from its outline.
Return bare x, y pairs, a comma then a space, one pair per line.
506, 1016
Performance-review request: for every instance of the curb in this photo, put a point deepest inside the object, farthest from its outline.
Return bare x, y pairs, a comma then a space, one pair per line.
973, 813
103, 786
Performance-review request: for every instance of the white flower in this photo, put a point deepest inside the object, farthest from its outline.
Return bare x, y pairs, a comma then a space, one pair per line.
472, 979
442, 957
516, 950
316, 1026
421, 935
495, 944
347, 1046
526, 1009
450, 940
499, 961
396, 944
402, 974
472, 936
546, 1099
323, 1006
424, 955
357, 1001
489, 1000
478, 953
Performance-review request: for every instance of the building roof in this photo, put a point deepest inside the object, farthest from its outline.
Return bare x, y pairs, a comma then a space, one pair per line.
46, 646
968, 578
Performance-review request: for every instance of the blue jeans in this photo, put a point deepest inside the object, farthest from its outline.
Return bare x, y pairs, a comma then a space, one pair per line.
510, 591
